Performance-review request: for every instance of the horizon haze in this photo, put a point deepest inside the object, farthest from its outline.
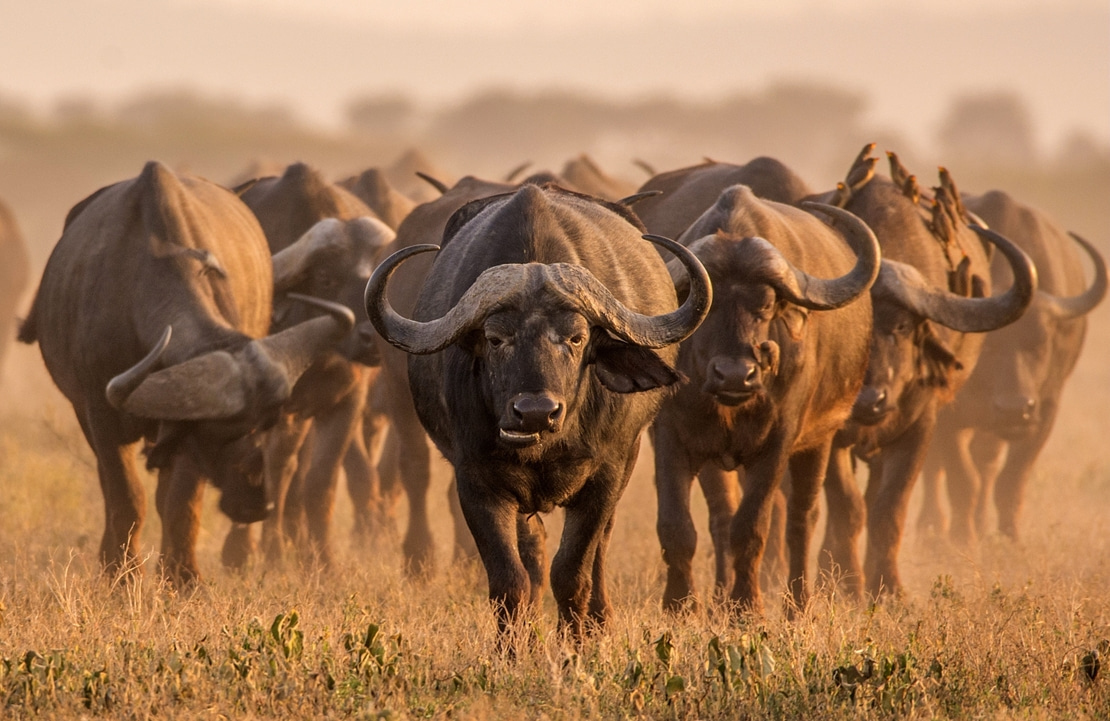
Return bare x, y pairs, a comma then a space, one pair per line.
909, 64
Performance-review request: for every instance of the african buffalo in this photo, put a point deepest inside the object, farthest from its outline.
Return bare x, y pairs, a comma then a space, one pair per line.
930, 315
149, 317
771, 376
532, 371
373, 188
684, 194
677, 198
409, 174
324, 243
1009, 404
583, 174
406, 460
15, 272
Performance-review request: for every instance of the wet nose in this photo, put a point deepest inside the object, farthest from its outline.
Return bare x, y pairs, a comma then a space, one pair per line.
738, 374
1016, 407
872, 401
535, 412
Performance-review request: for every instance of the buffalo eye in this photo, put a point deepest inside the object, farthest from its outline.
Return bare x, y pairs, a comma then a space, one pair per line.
495, 341
577, 340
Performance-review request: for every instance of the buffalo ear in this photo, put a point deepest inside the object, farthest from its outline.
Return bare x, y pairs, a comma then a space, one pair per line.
978, 286
939, 361
626, 368
159, 453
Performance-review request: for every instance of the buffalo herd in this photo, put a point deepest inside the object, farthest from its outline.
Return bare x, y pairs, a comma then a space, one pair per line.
773, 342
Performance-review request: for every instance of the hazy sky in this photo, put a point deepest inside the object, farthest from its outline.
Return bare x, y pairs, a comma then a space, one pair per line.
908, 59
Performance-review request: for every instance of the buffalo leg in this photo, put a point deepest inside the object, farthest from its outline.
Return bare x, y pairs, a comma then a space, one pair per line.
573, 568
124, 497
600, 607
180, 491
465, 550
774, 566
752, 523
888, 496
578, 570
989, 453
722, 495
847, 516
293, 524
1009, 490
932, 521
333, 431
389, 485
674, 477
124, 506
415, 470
362, 487
280, 463
532, 546
807, 475
963, 483
493, 522
372, 502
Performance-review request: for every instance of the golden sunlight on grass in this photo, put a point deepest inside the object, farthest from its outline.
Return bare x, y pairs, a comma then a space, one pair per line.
1009, 632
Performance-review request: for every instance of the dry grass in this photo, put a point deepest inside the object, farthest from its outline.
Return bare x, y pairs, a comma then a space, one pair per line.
1001, 634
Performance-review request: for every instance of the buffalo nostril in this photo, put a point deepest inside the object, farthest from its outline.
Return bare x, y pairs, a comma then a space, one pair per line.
537, 412
880, 402
752, 378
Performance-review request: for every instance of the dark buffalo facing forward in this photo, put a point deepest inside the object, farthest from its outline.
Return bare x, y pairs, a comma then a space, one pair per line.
534, 369
991, 435
930, 311
405, 459
152, 316
771, 376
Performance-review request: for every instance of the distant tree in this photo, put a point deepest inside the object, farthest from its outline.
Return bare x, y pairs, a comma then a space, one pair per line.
1080, 149
77, 109
14, 113
504, 127
186, 108
387, 114
988, 129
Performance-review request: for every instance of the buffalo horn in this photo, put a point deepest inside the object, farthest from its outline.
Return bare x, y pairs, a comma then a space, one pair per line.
291, 263
821, 294
296, 348
660, 330
434, 182
1080, 305
631, 200
515, 172
223, 384
966, 315
123, 385
500, 284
